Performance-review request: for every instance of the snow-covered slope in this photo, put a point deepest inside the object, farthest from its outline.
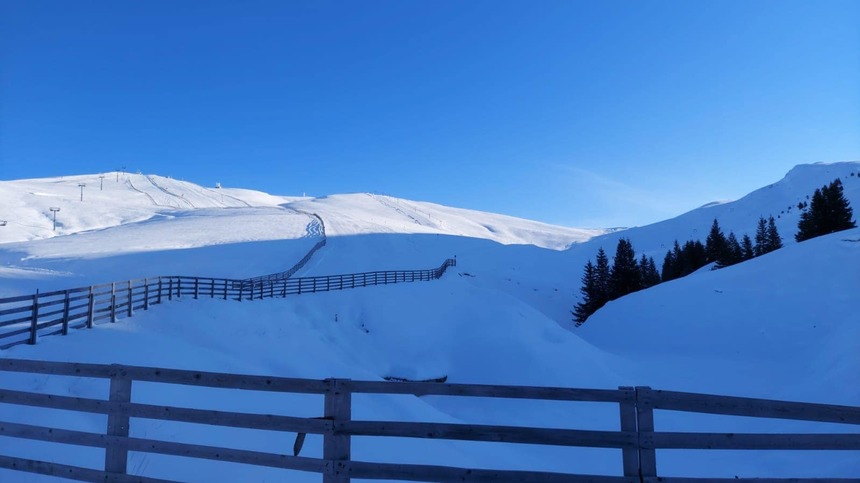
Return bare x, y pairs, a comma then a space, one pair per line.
25, 206
783, 325
364, 213
779, 200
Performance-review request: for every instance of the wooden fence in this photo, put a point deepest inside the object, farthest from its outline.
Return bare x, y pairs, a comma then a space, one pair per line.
301, 263
637, 438
25, 318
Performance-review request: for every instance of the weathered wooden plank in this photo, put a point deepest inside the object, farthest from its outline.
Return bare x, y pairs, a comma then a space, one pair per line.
43, 303
336, 446
58, 368
233, 381
116, 455
486, 390
267, 422
105, 316
17, 310
300, 463
71, 472
390, 471
53, 435
18, 298
51, 313
762, 408
645, 424
23, 398
491, 433
35, 319
804, 441
66, 315
7, 323
149, 411
627, 413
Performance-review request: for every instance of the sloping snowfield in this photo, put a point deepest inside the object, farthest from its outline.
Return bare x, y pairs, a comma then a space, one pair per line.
781, 326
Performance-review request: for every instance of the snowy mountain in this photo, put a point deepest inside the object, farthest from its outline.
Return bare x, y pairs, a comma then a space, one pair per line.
783, 325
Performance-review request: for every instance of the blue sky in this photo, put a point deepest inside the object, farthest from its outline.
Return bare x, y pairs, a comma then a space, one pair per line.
608, 113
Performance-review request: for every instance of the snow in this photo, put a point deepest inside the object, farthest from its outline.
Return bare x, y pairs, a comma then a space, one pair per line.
780, 326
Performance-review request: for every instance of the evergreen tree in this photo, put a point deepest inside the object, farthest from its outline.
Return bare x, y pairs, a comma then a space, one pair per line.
716, 243
584, 309
774, 241
670, 266
624, 277
696, 256
747, 250
829, 212
761, 237
601, 276
648, 269
839, 211
733, 253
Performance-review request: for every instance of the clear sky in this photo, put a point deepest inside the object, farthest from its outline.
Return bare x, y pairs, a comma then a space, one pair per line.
603, 113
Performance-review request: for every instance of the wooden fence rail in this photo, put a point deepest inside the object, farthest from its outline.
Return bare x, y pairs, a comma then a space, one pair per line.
301, 263
637, 438
26, 318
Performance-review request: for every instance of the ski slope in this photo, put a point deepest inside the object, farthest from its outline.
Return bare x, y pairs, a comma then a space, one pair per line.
780, 326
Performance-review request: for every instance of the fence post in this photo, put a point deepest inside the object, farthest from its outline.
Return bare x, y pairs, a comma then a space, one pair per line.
261, 290
336, 447
113, 302
645, 432
629, 456
241, 289
196, 287
225, 289
170, 289
271, 289
211, 288
328, 284
178, 287
130, 303
315, 285
145, 294
66, 314
35, 319
91, 306
116, 454
159, 290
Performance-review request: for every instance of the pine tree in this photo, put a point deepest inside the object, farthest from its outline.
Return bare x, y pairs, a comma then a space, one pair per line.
774, 241
648, 269
761, 237
716, 243
747, 250
624, 277
838, 209
693, 257
601, 276
733, 253
829, 212
584, 309
670, 266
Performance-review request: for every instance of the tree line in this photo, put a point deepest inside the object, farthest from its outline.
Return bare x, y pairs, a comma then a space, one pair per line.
828, 212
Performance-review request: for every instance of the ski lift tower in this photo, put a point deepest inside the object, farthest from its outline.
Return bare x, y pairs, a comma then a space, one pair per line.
55, 209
